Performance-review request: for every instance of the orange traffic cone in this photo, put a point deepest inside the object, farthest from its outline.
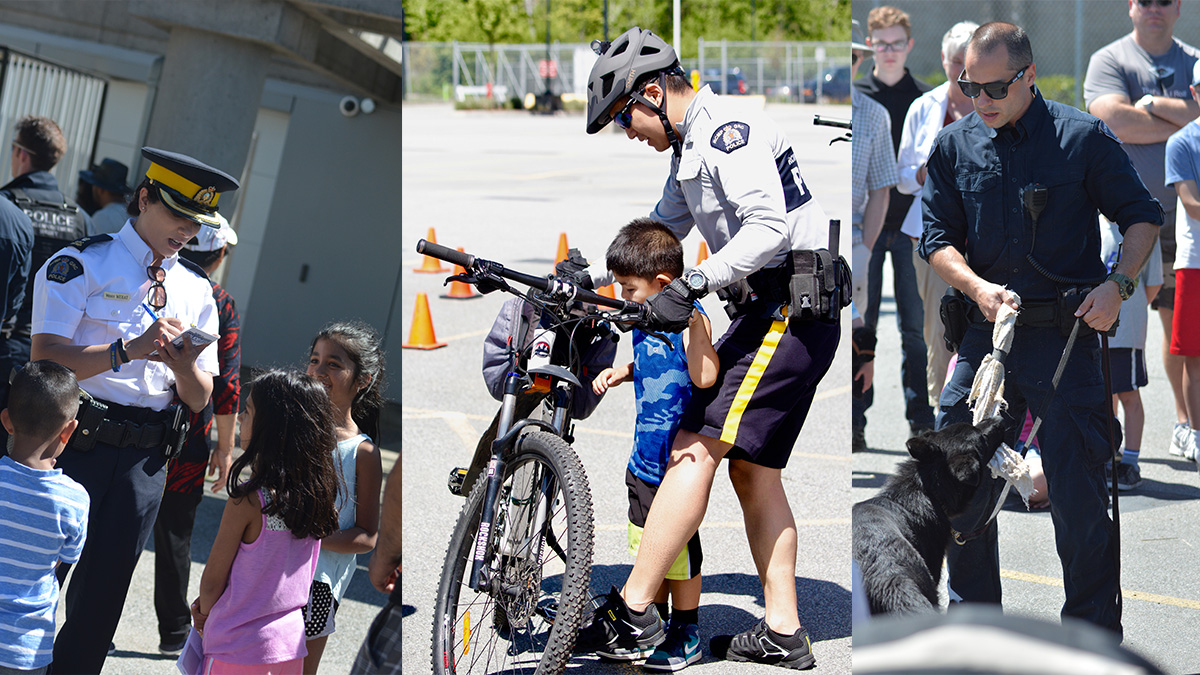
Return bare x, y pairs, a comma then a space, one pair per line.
421, 336
607, 291
460, 290
562, 248
431, 265
703, 255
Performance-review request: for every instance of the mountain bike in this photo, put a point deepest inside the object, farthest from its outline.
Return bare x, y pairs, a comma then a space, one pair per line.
514, 583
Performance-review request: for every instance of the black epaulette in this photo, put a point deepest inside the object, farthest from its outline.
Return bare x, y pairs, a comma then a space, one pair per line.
81, 244
193, 267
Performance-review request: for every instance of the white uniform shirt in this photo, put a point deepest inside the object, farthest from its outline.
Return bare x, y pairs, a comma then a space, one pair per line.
738, 182
103, 301
921, 126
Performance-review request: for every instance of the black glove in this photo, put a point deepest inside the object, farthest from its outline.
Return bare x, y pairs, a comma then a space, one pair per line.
670, 309
863, 340
574, 269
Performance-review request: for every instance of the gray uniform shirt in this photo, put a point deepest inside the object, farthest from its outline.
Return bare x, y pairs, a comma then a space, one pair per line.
1123, 67
737, 181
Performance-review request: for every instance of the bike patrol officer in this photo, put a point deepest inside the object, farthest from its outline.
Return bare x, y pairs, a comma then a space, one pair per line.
108, 307
1010, 207
734, 177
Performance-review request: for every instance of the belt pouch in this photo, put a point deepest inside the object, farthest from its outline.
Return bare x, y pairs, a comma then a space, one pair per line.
953, 311
820, 286
91, 416
177, 432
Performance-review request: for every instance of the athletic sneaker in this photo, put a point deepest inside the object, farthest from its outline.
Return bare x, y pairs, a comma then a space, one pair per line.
1128, 477
174, 648
680, 650
616, 632
1179, 440
763, 645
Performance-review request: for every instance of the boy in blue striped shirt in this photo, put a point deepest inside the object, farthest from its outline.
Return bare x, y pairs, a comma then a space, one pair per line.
43, 513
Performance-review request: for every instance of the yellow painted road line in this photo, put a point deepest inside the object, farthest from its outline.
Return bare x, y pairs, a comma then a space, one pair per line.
737, 524
1129, 594
408, 413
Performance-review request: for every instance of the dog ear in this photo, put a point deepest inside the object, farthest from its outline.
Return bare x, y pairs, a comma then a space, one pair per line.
922, 449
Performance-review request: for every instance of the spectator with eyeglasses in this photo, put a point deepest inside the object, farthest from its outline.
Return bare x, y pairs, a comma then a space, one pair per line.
108, 307
1139, 86
890, 37
981, 239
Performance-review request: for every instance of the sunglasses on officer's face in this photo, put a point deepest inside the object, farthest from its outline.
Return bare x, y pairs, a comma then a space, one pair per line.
995, 90
1160, 3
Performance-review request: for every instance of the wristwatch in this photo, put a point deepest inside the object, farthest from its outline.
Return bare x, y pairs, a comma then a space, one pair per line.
1125, 285
696, 282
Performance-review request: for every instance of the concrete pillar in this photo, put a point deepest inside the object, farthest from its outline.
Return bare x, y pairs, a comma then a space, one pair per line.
208, 99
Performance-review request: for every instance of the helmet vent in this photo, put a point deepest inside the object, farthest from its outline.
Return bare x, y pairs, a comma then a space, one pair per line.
620, 49
606, 84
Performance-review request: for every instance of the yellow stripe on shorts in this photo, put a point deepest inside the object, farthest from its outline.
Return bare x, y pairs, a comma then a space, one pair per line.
753, 375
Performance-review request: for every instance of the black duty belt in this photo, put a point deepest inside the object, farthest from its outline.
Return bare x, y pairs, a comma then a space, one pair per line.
1036, 315
133, 427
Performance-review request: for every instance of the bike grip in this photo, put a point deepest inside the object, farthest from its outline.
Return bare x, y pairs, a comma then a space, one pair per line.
450, 255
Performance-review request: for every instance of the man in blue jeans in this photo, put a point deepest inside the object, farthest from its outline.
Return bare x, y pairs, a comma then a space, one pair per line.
890, 83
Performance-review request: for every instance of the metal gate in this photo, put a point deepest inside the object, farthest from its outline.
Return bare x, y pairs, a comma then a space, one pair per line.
73, 99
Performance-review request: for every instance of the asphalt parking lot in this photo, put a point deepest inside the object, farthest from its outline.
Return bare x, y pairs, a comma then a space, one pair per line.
1160, 543
504, 186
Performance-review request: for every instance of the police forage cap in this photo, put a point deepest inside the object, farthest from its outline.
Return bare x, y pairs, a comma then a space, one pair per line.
213, 239
634, 54
189, 188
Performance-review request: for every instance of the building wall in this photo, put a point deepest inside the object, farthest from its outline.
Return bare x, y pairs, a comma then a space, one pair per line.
335, 221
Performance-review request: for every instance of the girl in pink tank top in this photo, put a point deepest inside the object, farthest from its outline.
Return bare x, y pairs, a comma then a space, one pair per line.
261, 564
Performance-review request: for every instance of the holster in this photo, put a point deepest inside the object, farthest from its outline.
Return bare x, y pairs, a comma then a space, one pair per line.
953, 311
820, 286
180, 424
90, 416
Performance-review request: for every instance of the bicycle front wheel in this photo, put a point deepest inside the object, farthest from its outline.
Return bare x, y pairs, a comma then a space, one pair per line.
537, 558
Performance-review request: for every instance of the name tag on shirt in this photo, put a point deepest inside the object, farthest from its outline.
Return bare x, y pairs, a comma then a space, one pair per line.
116, 296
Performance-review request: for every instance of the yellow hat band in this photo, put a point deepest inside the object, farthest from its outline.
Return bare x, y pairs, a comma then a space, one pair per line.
206, 196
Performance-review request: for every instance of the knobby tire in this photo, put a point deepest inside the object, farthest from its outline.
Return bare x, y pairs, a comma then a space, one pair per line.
538, 645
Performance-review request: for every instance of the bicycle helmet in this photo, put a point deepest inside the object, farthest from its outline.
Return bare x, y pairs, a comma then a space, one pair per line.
623, 64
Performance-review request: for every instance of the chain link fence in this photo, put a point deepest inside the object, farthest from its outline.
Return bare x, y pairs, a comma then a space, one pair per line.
461, 71
1064, 34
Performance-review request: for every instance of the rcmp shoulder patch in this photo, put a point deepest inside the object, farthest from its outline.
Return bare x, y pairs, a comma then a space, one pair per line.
81, 244
63, 269
731, 136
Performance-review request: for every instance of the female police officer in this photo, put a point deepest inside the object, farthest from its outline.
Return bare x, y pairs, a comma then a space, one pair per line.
108, 307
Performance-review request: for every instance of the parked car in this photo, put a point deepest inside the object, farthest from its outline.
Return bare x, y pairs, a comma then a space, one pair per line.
835, 86
734, 80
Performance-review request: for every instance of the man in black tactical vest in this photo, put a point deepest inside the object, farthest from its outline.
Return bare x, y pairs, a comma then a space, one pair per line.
37, 146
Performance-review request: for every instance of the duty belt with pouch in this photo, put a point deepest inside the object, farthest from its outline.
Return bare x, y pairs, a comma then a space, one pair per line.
1059, 313
129, 427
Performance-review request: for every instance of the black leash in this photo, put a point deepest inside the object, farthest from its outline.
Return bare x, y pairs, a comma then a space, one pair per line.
1112, 442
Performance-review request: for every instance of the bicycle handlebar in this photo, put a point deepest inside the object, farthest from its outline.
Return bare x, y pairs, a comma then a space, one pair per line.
544, 284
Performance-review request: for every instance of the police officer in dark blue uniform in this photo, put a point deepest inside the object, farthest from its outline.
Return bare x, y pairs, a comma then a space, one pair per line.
109, 307
1010, 208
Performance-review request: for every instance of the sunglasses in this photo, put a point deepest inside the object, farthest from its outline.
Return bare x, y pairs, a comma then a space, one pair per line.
995, 90
897, 46
1160, 3
625, 118
156, 297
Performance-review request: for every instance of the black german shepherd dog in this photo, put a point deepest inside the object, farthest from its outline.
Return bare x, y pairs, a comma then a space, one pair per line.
901, 534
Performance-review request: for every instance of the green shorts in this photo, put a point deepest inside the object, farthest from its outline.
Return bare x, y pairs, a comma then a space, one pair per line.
641, 494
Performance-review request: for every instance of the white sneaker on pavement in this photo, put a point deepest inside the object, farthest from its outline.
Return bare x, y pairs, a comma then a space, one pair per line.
1179, 439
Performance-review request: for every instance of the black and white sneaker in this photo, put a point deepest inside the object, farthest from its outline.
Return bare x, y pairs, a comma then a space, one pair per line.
617, 632
763, 645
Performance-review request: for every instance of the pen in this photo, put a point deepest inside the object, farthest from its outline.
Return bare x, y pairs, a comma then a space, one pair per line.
150, 311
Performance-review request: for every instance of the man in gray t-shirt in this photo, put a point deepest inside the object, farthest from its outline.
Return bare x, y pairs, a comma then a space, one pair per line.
1139, 86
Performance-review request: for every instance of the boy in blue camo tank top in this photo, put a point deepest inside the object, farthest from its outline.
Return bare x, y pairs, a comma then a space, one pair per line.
644, 258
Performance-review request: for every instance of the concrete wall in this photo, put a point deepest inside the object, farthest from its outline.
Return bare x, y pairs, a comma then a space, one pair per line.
336, 212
